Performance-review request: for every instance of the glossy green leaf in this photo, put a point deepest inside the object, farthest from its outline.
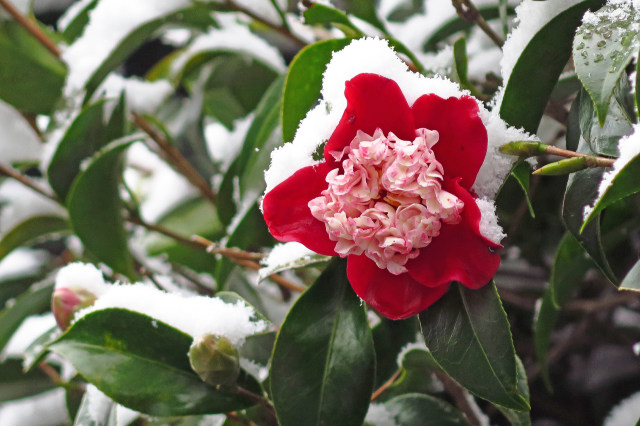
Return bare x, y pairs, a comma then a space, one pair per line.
405, 10
95, 208
603, 140
416, 376
468, 334
631, 281
235, 86
602, 50
304, 81
324, 350
15, 383
624, 183
421, 409
30, 230
521, 172
581, 191
326, 15
570, 265
302, 262
142, 364
85, 136
31, 77
461, 66
74, 29
32, 302
545, 321
537, 70
519, 418
389, 338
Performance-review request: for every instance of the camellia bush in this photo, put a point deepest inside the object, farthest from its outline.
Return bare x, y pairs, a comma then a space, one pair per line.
348, 212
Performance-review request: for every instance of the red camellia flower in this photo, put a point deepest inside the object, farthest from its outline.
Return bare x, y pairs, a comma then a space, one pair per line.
394, 196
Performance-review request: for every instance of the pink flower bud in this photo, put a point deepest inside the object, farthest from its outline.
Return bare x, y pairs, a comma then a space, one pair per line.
66, 301
215, 360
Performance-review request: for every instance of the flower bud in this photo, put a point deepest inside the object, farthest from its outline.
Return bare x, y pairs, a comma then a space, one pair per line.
215, 359
66, 301
523, 149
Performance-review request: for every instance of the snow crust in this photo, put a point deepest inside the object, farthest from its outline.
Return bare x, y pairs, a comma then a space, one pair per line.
489, 227
82, 275
108, 26
284, 253
629, 148
377, 415
18, 141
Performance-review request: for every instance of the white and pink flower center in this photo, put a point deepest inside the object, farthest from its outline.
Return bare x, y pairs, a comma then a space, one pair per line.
388, 201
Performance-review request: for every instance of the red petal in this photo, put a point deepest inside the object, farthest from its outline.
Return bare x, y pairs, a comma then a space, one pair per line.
394, 296
288, 216
373, 102
460, 253
463, 138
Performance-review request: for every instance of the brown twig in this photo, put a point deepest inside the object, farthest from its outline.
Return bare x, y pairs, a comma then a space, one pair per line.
14, 174
599, 161
175, 158
214, 248
279, 28
258, 399
459, 395
467, 11
386, 385
51, 373
31, 26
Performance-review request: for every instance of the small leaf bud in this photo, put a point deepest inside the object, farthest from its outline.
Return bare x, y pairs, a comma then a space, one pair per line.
215, 360
66, 301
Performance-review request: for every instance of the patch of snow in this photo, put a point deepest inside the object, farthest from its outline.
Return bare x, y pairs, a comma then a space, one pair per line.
83, 275
141, 96
176, 37
629, 148
284, 253
232, 36
107, 27
31, 328
22, 6
223, 144
18, 140
625, 413
194, 315
29, 411
22, 262
489, 227
377, 415
72, 13
19, 203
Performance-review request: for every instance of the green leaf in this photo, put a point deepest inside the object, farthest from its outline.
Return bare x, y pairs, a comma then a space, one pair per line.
581, 191
521, 173
74, 29
468, 334
405, 10
235, 86
545, 321
302, 262
365, 10
325, 15
460, 65
142, 364
570, 265
95, 208
603, 140
31, 77
323, 363
417, 375
30, 230
15, 383
601, 52
624, 183
537, 70
631, 281
421, 409
304, 82
519, 418
389, 338
29, 303
85, 136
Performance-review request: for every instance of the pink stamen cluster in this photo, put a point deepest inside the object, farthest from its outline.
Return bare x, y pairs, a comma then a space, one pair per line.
387, 201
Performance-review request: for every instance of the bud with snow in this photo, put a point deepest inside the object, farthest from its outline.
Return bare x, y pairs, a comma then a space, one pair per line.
215, 359
66, 301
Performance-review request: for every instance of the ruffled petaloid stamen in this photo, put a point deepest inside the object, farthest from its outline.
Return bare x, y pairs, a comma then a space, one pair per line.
387, 201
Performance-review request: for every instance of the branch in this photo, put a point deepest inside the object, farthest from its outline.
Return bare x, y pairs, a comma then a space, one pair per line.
175, 158
525, 149
280, 29
467, 11
14, 174
31, 27
459, 395
386, 385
